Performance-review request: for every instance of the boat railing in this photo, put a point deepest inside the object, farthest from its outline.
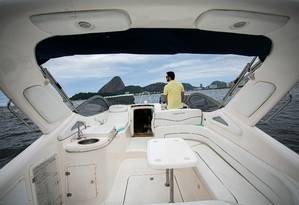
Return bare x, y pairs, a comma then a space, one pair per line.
247, 72
57, 87
289, 99
10, 106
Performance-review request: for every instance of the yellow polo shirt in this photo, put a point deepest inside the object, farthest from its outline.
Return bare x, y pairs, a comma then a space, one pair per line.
174, 90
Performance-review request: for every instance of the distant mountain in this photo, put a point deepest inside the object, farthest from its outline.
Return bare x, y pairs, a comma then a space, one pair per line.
154, 87
188, 86
133, 89
159, 87
219, 84
114, 85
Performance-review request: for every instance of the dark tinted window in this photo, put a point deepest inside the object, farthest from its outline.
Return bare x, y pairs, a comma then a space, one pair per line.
14, 135
284, 127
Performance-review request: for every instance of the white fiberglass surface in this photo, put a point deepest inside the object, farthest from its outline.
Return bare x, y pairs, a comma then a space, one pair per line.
137, 184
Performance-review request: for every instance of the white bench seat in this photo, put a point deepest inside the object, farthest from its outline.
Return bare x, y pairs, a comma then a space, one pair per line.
223, 181
233, 174
177, 117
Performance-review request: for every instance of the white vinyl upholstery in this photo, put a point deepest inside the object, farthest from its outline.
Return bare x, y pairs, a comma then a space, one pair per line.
232, 173
177, 117
230, 185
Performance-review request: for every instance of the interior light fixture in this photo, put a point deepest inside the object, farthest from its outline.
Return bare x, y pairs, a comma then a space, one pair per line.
239, 25
84, 25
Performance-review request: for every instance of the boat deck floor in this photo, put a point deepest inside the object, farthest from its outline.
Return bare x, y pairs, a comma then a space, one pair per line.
137, 184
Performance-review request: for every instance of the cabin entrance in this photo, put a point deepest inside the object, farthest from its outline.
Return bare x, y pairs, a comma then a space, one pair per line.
142, 123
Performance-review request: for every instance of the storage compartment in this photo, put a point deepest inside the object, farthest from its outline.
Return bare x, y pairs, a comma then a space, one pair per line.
142, 121
81, 182
46, 183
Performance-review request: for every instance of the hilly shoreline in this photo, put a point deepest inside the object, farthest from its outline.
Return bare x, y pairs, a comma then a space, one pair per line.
117, 87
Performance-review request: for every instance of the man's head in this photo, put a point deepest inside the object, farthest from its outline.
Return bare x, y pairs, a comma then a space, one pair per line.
170, 76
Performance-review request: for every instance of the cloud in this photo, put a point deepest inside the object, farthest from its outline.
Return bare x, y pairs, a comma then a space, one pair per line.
85, 70
100, 66
205, 67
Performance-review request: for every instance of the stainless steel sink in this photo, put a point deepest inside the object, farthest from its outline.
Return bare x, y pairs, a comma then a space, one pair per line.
89, 141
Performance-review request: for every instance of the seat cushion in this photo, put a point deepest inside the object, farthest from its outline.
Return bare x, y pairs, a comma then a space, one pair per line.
232, 173
224, 181
177, 117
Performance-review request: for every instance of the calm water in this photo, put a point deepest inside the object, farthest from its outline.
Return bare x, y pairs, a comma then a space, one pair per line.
15, 137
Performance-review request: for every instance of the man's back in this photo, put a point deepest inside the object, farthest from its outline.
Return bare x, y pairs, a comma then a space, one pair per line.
173, 91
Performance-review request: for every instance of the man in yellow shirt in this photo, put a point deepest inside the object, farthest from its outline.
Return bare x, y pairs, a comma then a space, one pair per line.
173, 92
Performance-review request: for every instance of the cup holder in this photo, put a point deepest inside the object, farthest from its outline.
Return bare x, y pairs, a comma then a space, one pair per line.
88, 141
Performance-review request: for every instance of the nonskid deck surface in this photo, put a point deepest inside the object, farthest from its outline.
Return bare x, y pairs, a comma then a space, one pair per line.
137, 184
142, 189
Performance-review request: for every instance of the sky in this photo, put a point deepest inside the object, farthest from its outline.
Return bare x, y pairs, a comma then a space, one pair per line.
88, 73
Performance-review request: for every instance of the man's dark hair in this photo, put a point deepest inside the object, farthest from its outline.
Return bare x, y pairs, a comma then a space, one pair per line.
171, 74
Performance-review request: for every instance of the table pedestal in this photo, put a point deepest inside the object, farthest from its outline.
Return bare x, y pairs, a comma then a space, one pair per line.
171, 186
170, 182
162, 153
167, 177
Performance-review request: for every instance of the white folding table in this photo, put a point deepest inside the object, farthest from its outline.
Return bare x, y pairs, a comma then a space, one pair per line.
169, 154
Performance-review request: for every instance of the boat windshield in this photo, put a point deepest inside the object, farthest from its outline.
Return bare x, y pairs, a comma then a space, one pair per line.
110, 79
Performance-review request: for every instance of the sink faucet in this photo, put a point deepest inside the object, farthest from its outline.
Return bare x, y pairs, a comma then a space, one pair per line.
79, 131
